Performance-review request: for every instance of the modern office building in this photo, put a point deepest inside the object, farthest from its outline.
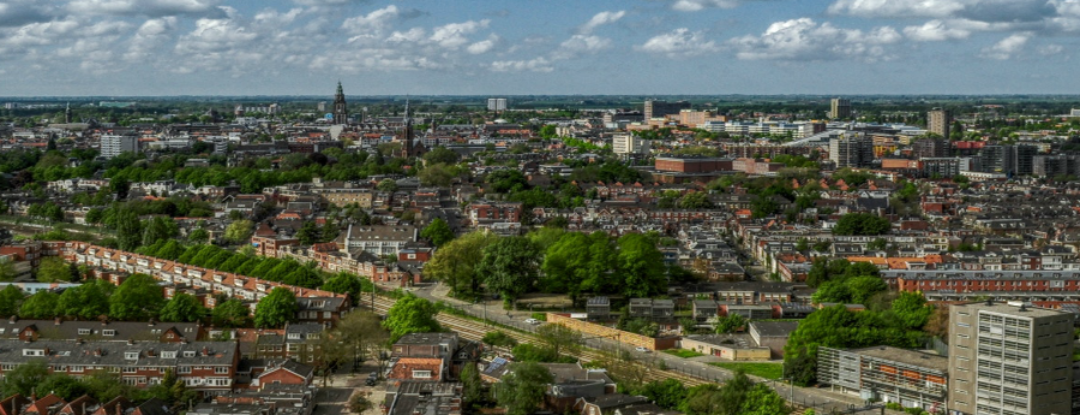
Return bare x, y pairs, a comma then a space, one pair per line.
114, 144
1009, 359
907, 377
656, 109
937, 122
1013, 160
840, 108
496, 104
851, 149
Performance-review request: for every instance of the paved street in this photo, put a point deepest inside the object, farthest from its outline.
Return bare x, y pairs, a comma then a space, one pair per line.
817, 397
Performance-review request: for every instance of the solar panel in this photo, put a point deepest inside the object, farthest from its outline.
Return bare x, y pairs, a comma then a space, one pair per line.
496, 363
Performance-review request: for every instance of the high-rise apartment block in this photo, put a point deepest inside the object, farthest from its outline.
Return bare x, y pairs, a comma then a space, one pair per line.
840, 108
627, 144
496, 104
657, 109
852, 149
931, 147
1013, 160
113, 144
1009, 359
937, 122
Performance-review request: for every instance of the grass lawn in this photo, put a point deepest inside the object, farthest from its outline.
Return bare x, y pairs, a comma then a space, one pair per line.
683, 353
765, 370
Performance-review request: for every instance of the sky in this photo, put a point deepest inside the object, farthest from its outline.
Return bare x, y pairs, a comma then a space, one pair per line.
542, 47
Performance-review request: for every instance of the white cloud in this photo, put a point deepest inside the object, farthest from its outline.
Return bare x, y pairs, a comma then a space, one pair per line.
372, 25
1007, 47
698, 5
578, 45
680, 42
1050, 50
804, 39
453, 35
152, 8
415, 34
149, 37
600, 19
539, 64
20, 12
483, 46
934, 30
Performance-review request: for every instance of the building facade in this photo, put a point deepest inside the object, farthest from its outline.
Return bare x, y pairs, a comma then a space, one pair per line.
937, 122
1009, 359
840, 108
114, 144
912, 379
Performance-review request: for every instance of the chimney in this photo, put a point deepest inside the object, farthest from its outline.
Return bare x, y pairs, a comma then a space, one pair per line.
131, 342
97, 352
56, 321
151, 324
13, 319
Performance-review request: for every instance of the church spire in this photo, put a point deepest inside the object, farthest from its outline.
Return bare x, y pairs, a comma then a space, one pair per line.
407, 148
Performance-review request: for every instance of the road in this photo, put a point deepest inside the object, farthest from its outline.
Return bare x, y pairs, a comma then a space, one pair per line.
823, 399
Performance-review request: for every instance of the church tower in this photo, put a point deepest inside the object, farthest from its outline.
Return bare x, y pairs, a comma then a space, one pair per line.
341, 112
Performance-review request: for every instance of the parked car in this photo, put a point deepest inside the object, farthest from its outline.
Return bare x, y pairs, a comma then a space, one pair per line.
532, 321
642, 349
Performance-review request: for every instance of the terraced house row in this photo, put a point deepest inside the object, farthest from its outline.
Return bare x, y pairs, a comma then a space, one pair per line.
113, 265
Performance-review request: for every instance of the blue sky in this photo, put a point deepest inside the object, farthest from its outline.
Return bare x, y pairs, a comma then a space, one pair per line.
514, 47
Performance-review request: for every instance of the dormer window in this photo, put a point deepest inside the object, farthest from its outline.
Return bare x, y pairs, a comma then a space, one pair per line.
168, 355
108, 332
33, 352
131, 355
294, 336
189, 353
84, 332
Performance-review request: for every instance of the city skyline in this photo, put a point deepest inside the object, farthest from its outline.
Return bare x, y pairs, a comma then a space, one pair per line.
648, 47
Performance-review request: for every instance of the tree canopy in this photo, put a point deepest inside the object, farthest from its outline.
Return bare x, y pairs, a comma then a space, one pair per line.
139, 297
861, 224
277, 308
411, 314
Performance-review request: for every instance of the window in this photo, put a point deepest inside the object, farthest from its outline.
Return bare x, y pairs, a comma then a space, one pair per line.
108, 332
421, 374
33, 352
183, 369
168, 355
221, 370
130, 370
131, 355
189, 353
84, 332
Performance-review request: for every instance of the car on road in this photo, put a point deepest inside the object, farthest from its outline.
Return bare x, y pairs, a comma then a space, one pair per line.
642, 349
532, 321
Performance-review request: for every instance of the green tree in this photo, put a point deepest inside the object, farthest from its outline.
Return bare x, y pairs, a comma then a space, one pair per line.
667, 394
411, 314
438, 232
183, 308
239, 231
138, 298
861, 224
695, 200
159, 229
231, 313
912, 310
87, 301
11, 297
387, 185
199, 236
509, 267
522, 389
276, 309
566, 265
730, 323
762, 400
309, 233
561, 340
53, 269
128, 229
39, 306
441, 155
344, 283
455, 263
499, 339
439, 175
471, 384
63, 386
642, 266
24, 378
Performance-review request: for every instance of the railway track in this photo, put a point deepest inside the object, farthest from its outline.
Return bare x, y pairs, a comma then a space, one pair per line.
474, 330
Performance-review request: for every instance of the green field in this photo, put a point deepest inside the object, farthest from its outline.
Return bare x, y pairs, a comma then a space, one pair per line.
683, 353
764, 370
